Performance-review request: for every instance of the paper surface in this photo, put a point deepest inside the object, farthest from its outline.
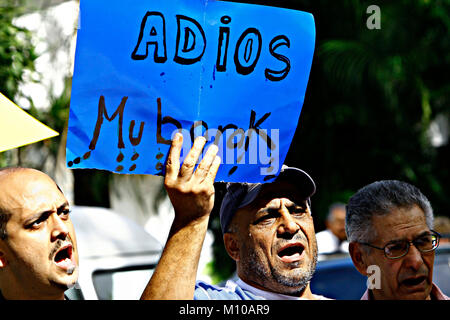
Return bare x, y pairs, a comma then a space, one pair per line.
18, 128
236, 73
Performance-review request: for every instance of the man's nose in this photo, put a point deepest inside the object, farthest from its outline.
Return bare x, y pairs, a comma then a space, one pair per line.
59, 228
413, 259
287, 225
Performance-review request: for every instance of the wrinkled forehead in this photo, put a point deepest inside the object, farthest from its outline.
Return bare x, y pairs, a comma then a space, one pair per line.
400, 223
28, 190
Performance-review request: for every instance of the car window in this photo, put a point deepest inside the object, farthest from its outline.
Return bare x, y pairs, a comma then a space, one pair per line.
74, 293
121, 284
441, 271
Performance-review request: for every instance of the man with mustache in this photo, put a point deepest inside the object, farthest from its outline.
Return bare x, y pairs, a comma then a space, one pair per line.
38, 253
268, 230
389, 226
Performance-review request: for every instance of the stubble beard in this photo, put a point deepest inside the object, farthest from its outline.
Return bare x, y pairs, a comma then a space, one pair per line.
293, 284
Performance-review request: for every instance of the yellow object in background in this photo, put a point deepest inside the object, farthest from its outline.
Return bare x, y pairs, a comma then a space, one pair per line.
18, 128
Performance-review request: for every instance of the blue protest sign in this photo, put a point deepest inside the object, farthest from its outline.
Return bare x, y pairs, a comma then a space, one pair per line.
235, 73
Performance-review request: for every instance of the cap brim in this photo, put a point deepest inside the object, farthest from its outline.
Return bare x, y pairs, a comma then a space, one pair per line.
297, 177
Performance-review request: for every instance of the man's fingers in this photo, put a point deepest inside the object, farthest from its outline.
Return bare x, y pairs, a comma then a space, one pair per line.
207, 169
212, 172
173, 160
192, 157
202, 170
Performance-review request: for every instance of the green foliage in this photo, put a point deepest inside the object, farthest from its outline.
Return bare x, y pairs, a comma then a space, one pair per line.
56, 117
384, 87
17, 57
17, 53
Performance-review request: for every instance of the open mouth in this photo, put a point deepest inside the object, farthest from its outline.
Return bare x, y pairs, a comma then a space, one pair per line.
64, 253
63, 258
291, 252
412, 282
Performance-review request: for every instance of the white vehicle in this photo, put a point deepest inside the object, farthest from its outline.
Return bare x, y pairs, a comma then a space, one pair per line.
116, 255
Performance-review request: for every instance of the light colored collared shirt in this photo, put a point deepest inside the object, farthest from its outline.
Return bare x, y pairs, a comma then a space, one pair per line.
436, 294
268, 295
239, 290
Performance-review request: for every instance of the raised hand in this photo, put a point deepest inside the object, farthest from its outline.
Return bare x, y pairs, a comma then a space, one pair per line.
191, 192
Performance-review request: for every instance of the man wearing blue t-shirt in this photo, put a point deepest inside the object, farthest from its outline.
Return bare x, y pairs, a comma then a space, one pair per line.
268, 230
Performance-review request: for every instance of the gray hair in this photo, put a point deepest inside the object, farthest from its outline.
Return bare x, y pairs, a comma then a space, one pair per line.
380, 198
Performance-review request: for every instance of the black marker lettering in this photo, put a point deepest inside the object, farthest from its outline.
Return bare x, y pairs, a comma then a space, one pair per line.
221, 130
161, 121
222, 50
245, 59
195, 125
274, 44
254, 127
153, 32
98, 125
193, 39
230, 142
135, 141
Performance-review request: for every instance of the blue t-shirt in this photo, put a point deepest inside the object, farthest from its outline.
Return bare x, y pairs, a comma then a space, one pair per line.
231, 291
239, 290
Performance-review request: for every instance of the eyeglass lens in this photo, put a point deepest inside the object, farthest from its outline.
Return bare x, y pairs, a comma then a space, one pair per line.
424, 243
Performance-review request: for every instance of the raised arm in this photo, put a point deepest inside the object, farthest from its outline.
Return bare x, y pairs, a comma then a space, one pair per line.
192, 196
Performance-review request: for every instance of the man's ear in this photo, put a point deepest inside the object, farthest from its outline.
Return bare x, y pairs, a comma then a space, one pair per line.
358, 257
231, 245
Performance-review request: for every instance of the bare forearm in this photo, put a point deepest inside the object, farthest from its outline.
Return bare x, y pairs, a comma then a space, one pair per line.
192, 196
174, 278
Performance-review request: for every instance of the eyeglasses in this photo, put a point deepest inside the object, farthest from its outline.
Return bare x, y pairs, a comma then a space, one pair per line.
398, 249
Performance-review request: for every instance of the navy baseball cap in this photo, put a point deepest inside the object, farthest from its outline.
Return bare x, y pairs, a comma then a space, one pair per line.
239, 195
